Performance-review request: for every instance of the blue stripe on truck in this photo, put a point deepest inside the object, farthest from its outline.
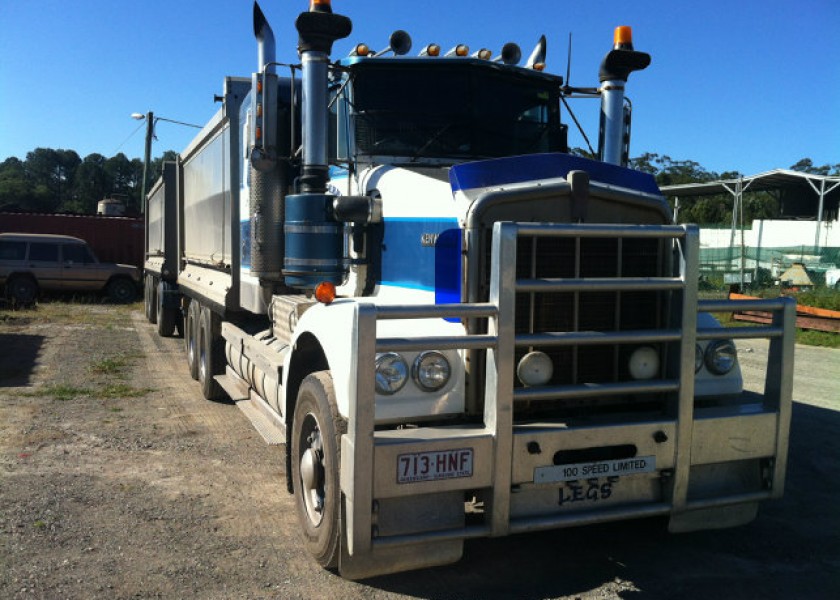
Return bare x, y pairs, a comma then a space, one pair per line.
423, 254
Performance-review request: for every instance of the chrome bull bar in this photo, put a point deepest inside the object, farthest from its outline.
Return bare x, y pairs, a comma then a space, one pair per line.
500, 342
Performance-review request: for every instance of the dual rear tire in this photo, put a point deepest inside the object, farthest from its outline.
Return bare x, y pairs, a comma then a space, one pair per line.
205, 349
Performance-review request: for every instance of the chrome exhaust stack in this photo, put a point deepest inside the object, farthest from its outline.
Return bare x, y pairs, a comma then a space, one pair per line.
318, 29
314, 238
614, 132
268, 175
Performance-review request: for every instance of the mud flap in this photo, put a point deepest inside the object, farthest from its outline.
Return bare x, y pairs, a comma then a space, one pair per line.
395, 559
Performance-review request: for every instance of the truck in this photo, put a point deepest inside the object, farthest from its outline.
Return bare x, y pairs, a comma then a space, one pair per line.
454, 327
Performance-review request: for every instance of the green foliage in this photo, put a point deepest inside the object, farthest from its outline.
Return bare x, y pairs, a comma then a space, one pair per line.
825, 339
806, 165
50, 180
705, 210
819, 298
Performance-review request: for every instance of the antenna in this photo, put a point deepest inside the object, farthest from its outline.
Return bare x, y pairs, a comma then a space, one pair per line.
569, 61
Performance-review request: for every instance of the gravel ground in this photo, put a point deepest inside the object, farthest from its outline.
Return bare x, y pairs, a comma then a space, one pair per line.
118, 480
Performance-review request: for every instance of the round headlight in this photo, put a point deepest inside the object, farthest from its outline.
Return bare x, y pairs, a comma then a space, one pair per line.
431, 371
391, 373
535, 368
698, 358
644, 363
721, 356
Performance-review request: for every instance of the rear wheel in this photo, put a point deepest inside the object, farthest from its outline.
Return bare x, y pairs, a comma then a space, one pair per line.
121, 290
166, 313
151, 305
210, 354
191, 337
22, 290
316, 446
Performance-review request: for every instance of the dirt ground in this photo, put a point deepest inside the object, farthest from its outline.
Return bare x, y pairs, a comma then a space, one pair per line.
118, 480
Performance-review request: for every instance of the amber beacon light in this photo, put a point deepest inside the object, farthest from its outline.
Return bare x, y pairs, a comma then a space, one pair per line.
623, 38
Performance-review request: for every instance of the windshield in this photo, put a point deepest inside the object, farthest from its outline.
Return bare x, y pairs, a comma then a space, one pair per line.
454, 111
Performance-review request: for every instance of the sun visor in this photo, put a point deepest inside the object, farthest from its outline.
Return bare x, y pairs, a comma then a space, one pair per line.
535, 167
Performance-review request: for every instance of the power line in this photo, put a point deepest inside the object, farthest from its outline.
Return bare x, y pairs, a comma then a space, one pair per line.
131, 135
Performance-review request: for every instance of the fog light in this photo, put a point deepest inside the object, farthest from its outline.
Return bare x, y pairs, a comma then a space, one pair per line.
535, 368
391, 373
644, 363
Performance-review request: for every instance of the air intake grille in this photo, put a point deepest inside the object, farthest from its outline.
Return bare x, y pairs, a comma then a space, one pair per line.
605, 311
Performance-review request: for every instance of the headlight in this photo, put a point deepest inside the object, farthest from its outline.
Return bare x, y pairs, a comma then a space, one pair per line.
431, 371
721, 356
391, 373
698, 358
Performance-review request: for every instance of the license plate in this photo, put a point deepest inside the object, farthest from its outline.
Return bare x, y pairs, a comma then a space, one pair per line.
604, 468
431, 466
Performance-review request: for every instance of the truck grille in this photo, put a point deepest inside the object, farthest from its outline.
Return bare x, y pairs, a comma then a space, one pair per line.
602, 311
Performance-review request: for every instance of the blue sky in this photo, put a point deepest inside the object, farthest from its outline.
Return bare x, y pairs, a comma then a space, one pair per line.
738, 85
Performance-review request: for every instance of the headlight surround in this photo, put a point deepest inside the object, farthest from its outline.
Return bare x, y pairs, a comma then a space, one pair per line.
391, 373
431, 371
721, 356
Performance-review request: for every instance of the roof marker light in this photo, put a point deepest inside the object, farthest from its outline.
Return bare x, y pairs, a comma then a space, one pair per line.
361, 50
483, 54
430, 50
459, 50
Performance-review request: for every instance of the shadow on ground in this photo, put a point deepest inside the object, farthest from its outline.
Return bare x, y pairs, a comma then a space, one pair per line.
792, 550
18, 356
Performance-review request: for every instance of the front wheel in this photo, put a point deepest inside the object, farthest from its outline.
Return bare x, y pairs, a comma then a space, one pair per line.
22, 290
316, 456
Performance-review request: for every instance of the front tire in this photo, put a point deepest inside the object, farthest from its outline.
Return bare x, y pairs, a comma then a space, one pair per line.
316, 457
22, 290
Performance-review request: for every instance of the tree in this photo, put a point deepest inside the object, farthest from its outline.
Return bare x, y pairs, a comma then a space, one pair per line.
15, 190
51, 180
51, 172
806, 165
91, 184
